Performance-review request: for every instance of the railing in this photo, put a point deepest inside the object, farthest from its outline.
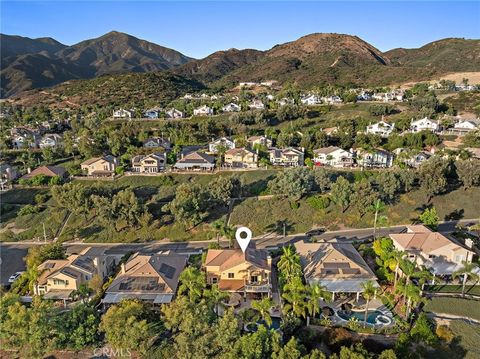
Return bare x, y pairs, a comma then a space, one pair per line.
258, 288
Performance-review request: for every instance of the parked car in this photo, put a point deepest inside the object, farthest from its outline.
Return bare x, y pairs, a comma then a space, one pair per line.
14, 277
315, 232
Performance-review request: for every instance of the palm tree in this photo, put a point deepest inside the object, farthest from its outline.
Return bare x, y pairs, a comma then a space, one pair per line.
369, 292
192, 281
413, 295
83, 292
423, 276
289, 263
377, 207
315, 294
467, 271
216, 296
223, 230
295, 294
395, 259
217, 227
408, 269
263, 308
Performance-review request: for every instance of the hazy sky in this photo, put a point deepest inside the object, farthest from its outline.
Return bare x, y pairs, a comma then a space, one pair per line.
199, 28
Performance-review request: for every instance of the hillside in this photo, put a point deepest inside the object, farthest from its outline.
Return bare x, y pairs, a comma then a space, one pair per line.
45, 62
131, 89
447, 55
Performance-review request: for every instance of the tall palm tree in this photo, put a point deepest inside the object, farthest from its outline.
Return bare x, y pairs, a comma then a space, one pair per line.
263, 308
294, 293
467, 273
223, 230
414, 297
216, 296
315, 294
217, 227
192, 281
369, 291
394, 261
408, 269
423, 276
289, 263
377, 207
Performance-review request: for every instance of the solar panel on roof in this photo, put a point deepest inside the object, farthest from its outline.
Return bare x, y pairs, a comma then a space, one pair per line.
167, 271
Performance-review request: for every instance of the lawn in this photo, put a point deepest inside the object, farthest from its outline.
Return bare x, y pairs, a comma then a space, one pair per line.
464, 345
454, 306
454, 288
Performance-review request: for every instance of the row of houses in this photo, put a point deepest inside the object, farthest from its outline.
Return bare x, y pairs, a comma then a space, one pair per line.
154, 278
461, 126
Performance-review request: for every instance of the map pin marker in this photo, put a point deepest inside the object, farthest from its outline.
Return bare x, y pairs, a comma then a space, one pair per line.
243, 242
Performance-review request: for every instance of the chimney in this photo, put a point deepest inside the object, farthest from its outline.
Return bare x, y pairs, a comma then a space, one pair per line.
269, 260
122, 268
469, 243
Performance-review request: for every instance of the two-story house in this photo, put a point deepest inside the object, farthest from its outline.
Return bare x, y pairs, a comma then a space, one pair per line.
122, 113
195, 161
174, 113
152, 163
203, 111
100, 166
231, 107
157, 142
259, 141
332, 156
52, 140
224, 142
382, 129
241, 158
248, 273
288, 157
376, 158
424, 124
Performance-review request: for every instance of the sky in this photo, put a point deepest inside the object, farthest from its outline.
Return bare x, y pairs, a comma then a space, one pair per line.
199, 28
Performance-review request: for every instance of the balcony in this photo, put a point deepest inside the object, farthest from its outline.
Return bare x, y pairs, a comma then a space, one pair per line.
258, 287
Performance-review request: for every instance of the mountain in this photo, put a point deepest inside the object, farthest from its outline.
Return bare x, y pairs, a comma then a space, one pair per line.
31, 63
118, 52
218, 64
448, 55
12, 45
310, 61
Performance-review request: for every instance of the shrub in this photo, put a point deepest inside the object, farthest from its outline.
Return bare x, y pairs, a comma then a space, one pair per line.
39, 180
337, 338
445, 333
319, 202
41, 198
55, 180
28, 209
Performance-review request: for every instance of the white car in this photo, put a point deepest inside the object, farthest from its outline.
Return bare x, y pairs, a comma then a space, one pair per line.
14, 277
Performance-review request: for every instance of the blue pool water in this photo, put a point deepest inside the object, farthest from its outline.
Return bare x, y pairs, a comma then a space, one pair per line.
276, 322
371, 315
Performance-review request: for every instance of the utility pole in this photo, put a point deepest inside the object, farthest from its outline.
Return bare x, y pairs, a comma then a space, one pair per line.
44, 233
284, 230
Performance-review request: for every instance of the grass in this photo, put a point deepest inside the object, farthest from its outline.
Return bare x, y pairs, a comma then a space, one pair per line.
452, 288
21, 195
455, 306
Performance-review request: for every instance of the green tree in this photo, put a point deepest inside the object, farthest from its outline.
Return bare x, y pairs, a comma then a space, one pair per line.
316, 293
388, 185
263, 308
433, 176
468, 172
468, 271
377, 208
78, 328
429, 218
126, 326
293, 183
295, 294
289, 264
341, 193
189, 205
369, 292
192, 281
363, 196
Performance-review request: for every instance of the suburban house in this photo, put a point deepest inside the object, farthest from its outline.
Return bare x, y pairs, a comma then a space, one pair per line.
374, 159
23, 137
224, 142
259, 141
203, 111
152, 113
424, 124
441, 254
311, 100
364, 96
417, 159
100, 166
285, 101
174, 113
152, 163
248, 273
156, 142
195, 161
152, 279
465, 126
288, 157
51, 140
241, 158
382, 129
231, 107
58, 278
48, 171
256, 105
332, 156
337, 266
121, 113
331, 100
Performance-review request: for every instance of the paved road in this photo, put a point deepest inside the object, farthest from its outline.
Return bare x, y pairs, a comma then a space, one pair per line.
12, 254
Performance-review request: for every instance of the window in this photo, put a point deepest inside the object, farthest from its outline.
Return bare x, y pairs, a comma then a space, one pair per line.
254, 279
431, 256
231, 275
214, 280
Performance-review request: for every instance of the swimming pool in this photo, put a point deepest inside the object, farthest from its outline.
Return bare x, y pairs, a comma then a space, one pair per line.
373, 316
253, 326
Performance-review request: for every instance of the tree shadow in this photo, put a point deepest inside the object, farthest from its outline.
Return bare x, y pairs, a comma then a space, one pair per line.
89, 231
455, 215
279, 226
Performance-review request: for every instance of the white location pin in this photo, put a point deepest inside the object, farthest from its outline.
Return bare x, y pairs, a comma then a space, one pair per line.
243, 241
